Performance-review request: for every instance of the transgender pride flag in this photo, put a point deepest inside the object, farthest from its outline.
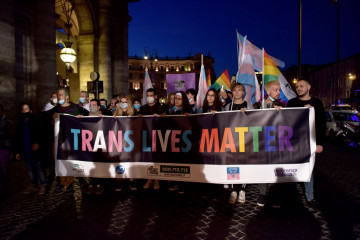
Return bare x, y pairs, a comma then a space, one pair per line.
203, 87
246, 74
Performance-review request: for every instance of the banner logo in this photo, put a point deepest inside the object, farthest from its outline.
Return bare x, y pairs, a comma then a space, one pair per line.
152, 170
120, 169
78, 167
280, 172
233, 173
175, 171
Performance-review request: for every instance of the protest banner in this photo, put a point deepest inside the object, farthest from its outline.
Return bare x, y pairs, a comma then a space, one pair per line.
258, 146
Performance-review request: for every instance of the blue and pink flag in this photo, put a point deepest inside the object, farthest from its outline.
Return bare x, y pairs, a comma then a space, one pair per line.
179, 82
147, 85
246, 73
203, 87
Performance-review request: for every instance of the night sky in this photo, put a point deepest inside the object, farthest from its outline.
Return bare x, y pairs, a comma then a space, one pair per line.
177, 28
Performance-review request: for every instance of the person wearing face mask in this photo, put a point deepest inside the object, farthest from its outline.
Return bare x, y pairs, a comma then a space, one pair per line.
153, 106
52, 103
125, 108
104, 109
28, 142
137, 106
112, 105
191, 95
84, 101
68, 107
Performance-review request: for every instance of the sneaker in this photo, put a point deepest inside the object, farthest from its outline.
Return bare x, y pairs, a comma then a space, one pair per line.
233, 197
226, 186
132, 186
261, 200
147, 184
99, 190
174, 187
42, 190
90, 189
181, 190
241, 198
156, 185
275, 205
30, 190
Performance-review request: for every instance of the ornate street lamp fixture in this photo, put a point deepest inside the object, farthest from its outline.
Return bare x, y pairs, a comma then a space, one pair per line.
67, 54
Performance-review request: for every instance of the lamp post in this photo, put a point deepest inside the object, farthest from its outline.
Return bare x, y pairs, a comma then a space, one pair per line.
153, 57
337, 2
67, 54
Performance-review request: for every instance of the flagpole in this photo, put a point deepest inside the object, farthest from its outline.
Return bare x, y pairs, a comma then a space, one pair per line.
263, 82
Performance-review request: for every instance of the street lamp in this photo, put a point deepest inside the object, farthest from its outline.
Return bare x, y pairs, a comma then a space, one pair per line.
67, 54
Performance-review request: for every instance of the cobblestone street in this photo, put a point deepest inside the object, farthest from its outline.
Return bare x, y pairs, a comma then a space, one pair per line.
195, 215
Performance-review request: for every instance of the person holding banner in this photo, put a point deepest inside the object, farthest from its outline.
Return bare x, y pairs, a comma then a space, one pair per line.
153, 107
191, 95
272, 89
238, 103
181, 107
170, 101
305, 100
125, 108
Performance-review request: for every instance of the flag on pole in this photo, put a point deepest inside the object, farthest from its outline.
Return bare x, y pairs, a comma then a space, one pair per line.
147, 84
272, 73
257, 54
208, 78
223, 80
203, 87
246, 74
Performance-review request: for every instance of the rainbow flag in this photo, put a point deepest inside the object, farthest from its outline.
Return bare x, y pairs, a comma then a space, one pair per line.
208, 78
272, 73
223, 80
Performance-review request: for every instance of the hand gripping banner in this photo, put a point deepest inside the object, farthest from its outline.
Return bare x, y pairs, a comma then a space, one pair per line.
258, 146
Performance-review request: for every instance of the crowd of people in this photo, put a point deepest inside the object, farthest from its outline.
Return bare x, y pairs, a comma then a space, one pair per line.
34, 140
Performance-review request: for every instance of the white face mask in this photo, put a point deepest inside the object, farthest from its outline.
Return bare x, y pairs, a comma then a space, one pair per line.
62, 101
150, 100
55, 101
93, 109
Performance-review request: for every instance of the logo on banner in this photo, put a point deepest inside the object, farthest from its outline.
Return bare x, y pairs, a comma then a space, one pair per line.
78, 167
179, 85
153, 171
120, 169
280, 172
233, 173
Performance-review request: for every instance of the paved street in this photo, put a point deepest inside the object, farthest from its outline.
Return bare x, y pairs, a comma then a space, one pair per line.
194, 215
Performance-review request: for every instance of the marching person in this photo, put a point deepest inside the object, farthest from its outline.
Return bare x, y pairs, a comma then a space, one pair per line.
304, 99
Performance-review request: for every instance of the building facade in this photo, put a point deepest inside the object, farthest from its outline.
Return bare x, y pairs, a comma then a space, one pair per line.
32, 35
159, 67
338, 82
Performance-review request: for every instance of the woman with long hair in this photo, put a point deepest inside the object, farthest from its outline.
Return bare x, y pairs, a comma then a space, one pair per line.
211, 102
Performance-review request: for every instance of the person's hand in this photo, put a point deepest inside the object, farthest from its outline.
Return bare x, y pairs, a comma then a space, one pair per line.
100, 115
213, 111
223, 94
319, 149
277, 108
187, 114
139, 115
79, 116
35, 146
17, 156
55, 115
162, 115
156, 115
308, 106
192, 102
243, 110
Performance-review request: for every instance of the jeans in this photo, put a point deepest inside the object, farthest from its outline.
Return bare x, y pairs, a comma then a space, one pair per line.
35, 168
309, 189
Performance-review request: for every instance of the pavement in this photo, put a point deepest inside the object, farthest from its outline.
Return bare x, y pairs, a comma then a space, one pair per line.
163, 214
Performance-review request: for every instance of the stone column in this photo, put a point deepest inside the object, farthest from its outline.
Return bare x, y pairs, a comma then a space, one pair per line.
7, 59
105, 48
85, 57
44, 42
120, 47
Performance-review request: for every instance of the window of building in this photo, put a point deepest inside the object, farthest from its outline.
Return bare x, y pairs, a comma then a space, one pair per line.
161, 68
130, 76
172, 68
141, 85
161, 76
141, 76
141, 67
130, 67
182, 68
130, 85
162, 85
